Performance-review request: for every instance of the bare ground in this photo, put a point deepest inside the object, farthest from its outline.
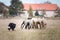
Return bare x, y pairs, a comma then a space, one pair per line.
50, 32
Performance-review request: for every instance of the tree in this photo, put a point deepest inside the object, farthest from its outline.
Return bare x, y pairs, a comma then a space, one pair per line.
11, 11
16, 6
57, 12
36, 13
30, 12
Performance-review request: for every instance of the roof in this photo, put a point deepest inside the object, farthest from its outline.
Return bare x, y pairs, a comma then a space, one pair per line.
3, 5
40, 6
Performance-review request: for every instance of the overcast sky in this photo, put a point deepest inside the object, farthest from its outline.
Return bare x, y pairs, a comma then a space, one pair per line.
7, 2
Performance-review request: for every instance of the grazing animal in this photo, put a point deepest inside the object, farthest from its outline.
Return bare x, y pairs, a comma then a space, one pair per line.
43, 22
11, 26
23, 24
26, 24
33, 23
38, 21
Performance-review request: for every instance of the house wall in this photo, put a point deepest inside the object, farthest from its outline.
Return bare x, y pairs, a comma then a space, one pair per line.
48, 13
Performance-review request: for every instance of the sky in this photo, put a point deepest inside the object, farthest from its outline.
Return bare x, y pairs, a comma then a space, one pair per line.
7, 2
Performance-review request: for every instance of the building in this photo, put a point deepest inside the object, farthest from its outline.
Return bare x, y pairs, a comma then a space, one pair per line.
3, 9
48, 7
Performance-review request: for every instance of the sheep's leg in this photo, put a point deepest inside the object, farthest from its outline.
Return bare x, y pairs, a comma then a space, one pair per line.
40, 25
29, 27
22, 26
33, 26
36, 26
26, 26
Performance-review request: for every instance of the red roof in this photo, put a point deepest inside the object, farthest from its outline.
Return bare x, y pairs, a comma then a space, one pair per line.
40, 6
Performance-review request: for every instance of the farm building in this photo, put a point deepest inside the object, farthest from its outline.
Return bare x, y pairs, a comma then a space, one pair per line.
48, 7
3, 10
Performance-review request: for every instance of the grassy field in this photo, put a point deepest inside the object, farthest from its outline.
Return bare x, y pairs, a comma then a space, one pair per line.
50, 32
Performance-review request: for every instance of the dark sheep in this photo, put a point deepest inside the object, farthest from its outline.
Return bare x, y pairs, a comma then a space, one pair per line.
38, 23
28, 25
11, 26
23, 24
